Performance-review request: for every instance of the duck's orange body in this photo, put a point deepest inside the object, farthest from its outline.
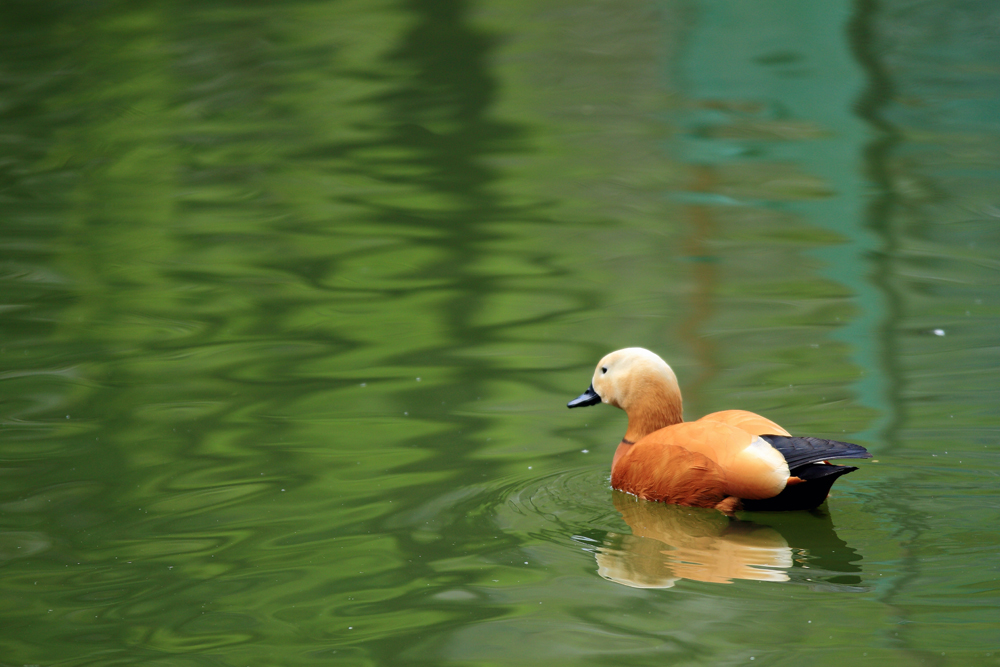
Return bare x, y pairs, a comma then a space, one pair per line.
729, 460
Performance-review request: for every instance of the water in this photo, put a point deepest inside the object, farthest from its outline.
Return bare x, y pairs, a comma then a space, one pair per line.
294, 297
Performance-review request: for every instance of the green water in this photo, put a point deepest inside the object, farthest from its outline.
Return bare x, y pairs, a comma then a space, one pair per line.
294, 295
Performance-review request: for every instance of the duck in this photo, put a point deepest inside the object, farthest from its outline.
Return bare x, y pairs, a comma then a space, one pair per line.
731, 460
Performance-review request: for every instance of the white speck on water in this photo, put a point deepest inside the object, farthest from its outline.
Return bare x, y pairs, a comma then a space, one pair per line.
418, 379
364, 384
585, 451
939, 332
406, 414
529, 467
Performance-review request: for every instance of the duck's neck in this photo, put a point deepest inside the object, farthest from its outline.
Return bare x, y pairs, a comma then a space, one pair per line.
662, 409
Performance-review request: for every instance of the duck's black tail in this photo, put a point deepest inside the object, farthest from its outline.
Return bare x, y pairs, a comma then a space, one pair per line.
799, 451
806, 457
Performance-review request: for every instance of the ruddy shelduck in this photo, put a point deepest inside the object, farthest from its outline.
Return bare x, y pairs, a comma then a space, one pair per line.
729, 460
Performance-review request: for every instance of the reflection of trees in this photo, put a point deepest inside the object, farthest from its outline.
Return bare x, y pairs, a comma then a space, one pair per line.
932, 99
222, 315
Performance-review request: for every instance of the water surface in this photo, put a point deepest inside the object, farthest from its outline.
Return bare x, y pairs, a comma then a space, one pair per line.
293, 298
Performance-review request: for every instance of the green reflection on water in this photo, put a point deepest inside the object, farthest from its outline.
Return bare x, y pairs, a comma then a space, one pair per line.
294, 298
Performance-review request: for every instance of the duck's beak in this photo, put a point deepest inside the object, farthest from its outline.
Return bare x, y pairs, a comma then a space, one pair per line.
588, 397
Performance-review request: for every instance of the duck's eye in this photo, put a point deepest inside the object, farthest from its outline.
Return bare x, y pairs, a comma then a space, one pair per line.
604, 369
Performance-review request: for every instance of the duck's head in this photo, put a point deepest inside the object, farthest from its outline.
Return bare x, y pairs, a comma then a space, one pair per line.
631, 378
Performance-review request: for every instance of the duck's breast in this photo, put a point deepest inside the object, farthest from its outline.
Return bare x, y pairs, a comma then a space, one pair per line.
660, 471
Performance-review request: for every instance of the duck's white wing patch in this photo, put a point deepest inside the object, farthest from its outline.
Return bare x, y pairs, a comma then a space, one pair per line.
762, 449
758, 471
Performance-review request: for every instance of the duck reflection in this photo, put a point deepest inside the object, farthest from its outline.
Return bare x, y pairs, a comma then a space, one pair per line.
670, 542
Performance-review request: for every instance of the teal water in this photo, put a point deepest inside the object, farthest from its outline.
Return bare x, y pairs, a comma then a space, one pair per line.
292, 298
